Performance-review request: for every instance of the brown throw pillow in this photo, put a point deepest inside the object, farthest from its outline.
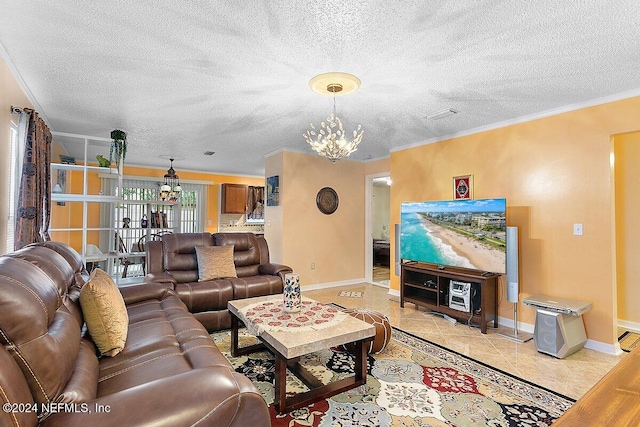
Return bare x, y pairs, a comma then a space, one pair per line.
215, 262
105, 313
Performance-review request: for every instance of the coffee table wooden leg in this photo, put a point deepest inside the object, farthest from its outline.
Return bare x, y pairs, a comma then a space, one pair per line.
235, 341
360, 367
280, 398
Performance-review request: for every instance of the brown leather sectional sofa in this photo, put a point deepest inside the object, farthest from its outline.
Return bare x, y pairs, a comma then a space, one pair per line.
173, 262
170, 373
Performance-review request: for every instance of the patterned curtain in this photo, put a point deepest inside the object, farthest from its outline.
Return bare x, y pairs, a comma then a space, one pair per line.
34, 197
255, 202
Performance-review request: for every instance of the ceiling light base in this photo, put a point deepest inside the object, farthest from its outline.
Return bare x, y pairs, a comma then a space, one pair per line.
334, 84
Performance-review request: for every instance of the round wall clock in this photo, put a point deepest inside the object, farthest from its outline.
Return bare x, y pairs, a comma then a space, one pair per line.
327, 200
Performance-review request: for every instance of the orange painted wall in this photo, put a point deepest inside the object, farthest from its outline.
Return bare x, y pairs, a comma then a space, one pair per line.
377, 166
70, 215
627, 179
554, 172
334, 243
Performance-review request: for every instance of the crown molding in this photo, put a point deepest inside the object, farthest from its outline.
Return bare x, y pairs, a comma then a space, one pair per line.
523, 119
14, 71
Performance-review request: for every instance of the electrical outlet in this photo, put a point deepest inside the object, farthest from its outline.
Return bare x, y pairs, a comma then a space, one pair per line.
313, 265
577, 229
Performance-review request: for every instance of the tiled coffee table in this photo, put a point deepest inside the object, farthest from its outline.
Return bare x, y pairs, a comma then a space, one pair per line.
288, 344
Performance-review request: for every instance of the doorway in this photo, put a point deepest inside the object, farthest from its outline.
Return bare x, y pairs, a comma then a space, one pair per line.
626, 149
378, 225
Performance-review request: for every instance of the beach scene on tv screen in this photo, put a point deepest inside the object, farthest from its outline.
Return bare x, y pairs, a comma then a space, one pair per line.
461, 233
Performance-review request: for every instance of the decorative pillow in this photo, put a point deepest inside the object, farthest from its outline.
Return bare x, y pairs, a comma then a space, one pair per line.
105, 313
215, 262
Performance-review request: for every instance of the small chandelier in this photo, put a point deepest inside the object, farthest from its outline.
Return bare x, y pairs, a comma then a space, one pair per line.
330, 141
170, 190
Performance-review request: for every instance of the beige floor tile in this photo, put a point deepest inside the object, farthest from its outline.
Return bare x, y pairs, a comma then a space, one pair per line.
571, 376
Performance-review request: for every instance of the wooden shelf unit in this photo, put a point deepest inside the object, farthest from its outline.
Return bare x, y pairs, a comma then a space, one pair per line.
427, 285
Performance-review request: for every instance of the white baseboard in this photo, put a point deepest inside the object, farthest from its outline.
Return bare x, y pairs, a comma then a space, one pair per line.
523, 327
613, 349
627, 324
318, 286
381, 285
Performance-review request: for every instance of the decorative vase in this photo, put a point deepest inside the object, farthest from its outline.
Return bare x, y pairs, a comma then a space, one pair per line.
292, 297
143, 222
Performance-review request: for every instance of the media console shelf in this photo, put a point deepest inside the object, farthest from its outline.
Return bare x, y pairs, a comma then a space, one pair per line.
428, 286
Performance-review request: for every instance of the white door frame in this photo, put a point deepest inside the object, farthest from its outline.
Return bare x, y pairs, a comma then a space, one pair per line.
368, 225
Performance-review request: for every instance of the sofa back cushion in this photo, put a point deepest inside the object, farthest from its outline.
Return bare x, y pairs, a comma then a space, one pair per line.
73, 258
179, 251
58, 268
246, 254
36, 327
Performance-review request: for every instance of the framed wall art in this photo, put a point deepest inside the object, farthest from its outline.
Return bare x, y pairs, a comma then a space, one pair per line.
273, 190
463, 187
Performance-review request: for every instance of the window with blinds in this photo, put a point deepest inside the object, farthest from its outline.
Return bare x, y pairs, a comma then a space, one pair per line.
191, 202
14, 182
131, 211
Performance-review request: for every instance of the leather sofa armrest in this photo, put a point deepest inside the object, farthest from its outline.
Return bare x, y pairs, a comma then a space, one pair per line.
208, 396
154, 258
274, 269
144, 291
163, 277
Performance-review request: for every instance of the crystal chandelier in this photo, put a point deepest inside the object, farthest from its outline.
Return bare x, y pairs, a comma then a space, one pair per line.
330, 140
170, 190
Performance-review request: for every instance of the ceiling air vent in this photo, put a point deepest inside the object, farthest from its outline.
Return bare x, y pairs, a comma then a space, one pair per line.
442, 114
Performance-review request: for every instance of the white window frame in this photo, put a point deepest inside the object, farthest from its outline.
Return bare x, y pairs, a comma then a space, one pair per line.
16, 153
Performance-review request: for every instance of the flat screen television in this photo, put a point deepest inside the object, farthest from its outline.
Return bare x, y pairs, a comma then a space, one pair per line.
459, 233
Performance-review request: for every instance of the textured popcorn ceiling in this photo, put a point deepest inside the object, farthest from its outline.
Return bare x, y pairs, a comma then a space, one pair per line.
232, 77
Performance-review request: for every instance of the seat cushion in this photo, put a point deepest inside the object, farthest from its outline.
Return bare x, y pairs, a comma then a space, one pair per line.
105, 313
256, 286
215, 262
210, 295
164, 340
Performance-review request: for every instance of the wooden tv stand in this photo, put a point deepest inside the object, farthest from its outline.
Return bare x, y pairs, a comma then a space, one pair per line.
427, 285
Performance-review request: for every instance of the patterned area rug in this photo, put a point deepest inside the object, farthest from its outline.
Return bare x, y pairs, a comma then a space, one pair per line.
411, 383
629, 340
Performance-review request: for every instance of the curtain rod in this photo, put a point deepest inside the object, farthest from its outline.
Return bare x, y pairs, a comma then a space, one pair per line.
16, 110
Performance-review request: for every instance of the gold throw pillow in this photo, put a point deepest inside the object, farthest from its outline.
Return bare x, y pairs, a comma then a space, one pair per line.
105, 313
215, 262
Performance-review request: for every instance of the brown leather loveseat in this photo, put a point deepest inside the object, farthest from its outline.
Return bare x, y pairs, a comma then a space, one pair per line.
173, 262
169, 373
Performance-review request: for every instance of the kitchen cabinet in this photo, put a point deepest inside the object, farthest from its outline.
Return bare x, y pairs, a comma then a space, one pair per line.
234, 199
